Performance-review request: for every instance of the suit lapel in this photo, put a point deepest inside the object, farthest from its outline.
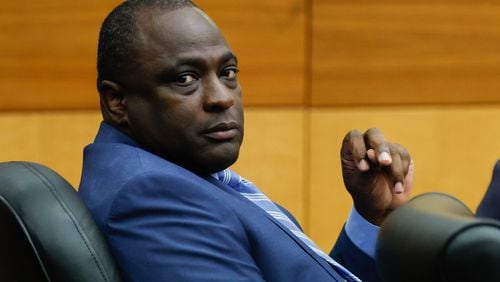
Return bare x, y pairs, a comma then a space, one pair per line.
262, 212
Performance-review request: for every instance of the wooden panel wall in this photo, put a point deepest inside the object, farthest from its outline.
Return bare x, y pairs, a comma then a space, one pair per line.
55, 139
405, 52
269, 40
48, 51
274, 156
292, 52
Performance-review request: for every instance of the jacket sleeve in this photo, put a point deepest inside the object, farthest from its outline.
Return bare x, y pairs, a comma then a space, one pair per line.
489, 206
355, 260
163, 228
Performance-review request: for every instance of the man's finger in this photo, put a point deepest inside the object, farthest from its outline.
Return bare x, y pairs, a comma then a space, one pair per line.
396, 171
404, 155
354, 145
375, 140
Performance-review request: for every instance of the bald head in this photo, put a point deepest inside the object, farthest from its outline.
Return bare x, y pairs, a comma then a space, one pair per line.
118, 32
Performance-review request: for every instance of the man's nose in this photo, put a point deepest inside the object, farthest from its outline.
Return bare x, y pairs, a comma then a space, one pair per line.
217, 96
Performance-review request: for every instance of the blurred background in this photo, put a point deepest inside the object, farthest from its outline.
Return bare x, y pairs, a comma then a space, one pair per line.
427, 72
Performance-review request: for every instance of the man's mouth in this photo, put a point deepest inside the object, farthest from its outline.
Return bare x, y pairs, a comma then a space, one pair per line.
223, 131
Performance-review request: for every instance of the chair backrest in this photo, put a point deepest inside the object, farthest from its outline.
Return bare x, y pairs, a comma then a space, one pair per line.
46, 233
436, 238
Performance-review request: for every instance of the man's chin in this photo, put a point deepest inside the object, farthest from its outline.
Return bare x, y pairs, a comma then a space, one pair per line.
219, 161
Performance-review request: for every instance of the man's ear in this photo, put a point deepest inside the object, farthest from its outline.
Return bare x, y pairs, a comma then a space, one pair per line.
113, 103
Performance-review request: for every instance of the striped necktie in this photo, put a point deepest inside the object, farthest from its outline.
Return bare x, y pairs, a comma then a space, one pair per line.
251, 192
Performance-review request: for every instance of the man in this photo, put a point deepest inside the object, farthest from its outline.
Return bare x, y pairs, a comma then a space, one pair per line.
156, 177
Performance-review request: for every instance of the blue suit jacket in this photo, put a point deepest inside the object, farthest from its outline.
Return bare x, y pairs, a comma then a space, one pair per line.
164, 223
490, 204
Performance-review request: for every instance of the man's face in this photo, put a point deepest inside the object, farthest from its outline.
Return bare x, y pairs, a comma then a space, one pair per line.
183, 98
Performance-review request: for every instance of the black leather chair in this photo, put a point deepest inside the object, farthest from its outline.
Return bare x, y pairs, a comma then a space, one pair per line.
436, 238
46, 233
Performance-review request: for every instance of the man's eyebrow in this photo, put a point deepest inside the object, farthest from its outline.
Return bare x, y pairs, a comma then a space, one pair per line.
199, 61
229, 56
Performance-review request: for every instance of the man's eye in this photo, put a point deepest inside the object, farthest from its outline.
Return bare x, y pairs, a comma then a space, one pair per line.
186, 79
230, 73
